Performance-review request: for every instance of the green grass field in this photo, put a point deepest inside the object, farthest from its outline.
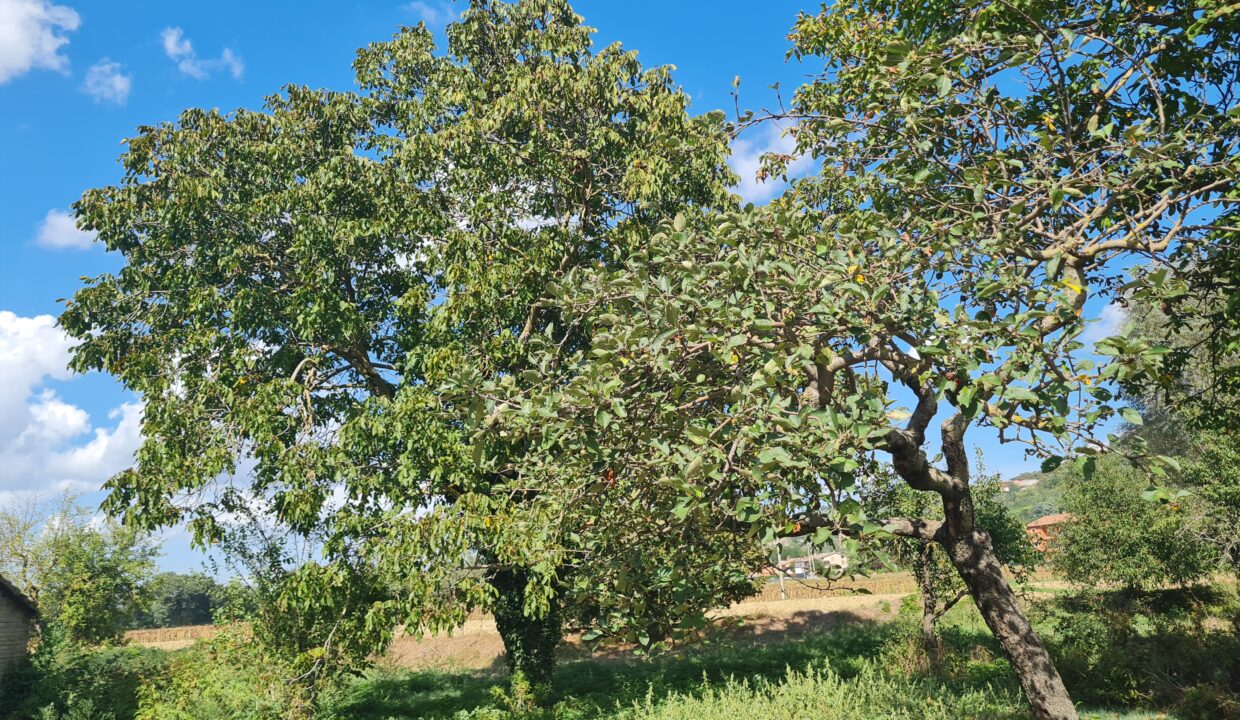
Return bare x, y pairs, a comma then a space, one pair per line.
864, 670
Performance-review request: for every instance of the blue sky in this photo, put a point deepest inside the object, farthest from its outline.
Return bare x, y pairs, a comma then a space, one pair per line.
77, 76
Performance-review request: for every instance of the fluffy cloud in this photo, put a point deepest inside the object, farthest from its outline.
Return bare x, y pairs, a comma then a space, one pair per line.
436, 14
59, 231
47, 444
178, 48
1109, 322
31, 35
106, 82
746, 161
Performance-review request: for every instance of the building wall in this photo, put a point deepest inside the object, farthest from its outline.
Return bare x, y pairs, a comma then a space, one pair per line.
14, 631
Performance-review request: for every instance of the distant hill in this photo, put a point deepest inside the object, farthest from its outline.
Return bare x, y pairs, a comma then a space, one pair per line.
1032, 501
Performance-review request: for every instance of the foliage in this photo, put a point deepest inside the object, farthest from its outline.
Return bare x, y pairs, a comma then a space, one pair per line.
70, 681
1214, 479
1190, 411
442, 321
178, 599
88, 578
529, 643
228, 677
296, 282
868, 661
1165, 650
825, 694
95, 588
854, 657
1159, 649
986, 170
1117, 536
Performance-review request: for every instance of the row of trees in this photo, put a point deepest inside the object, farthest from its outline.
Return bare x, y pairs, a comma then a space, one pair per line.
491, 331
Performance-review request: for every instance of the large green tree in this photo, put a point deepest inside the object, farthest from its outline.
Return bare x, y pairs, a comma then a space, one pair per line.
987, 170
89, 579
1117, 536
1190, 407
296, 282
177, 599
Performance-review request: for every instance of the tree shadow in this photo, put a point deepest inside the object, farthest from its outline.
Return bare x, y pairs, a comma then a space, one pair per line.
595, 681
394, 693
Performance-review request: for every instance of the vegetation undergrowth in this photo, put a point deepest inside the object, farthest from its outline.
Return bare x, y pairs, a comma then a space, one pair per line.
869, 670
1167, 653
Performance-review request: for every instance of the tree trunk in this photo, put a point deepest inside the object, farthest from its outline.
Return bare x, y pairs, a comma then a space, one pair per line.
529, 642
974, 558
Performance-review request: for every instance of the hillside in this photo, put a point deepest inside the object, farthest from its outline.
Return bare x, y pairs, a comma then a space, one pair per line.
1033, 501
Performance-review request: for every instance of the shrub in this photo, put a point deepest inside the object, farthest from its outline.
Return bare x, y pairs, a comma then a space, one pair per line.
1118, 537
1165, 648
225, 678
64, 680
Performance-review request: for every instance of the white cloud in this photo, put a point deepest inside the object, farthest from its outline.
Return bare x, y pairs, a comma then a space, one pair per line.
436, 14
59, 231
1109, 322
31, 35
179, 48
47, 444
175, 44
106, 82
746, 161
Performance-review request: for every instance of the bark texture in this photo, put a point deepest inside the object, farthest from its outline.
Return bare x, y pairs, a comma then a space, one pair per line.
974, 558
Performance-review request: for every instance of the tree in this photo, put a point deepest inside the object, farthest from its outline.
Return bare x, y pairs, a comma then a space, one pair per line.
987, 169
1116, 536
938, 584
88, 579
296, 283
178, 599
1189, 411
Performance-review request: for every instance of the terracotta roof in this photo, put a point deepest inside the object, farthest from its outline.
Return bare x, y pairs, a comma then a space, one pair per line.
1047, 520
8, 588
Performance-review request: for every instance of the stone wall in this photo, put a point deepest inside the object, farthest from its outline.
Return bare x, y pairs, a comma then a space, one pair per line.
15, 624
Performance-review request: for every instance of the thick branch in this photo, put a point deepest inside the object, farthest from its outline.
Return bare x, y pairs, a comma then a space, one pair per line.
912, 465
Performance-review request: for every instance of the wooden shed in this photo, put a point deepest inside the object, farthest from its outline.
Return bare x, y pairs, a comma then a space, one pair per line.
17, 614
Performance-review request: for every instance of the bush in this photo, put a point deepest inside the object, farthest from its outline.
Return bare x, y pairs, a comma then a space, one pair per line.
225, 678
1167, 648
1118, 537
64, 680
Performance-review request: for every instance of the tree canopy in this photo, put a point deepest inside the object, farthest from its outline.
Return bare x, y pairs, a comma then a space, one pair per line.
986, 171
298, 281
493, 324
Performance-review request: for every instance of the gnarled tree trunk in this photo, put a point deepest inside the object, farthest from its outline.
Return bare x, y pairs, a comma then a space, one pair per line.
974, 558
971, 551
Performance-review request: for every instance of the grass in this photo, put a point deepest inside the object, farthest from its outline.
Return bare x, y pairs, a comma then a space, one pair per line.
860, 671
1131, 655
